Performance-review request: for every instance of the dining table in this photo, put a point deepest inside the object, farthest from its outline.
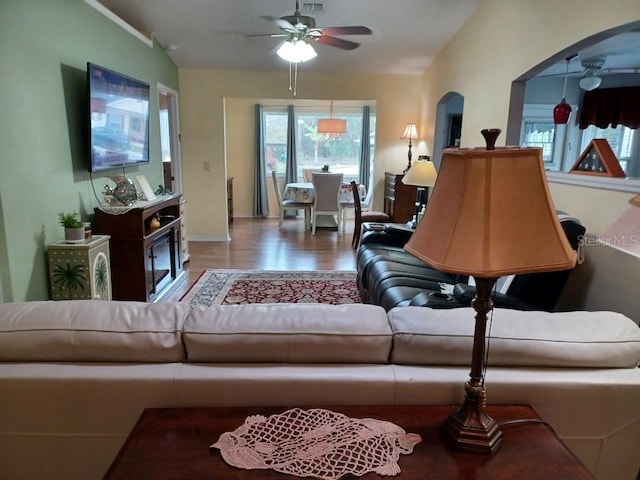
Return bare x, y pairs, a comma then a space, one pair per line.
303, 192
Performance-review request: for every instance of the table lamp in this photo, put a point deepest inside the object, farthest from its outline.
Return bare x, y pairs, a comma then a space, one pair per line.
410, 133
421, 174
490, 214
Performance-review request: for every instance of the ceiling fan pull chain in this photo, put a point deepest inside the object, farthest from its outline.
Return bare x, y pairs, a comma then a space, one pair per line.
295, 81
290, 66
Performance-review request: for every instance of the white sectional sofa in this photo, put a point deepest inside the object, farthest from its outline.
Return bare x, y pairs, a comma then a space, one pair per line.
75, 376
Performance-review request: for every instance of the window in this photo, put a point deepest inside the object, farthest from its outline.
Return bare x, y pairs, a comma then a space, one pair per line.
314, 150
538, 130
539, 134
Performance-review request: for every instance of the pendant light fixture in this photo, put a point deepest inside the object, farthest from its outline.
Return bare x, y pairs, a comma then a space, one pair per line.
332, 128
562, 111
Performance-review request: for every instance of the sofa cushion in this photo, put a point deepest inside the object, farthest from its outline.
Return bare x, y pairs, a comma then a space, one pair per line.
425, 336
294, 333
91, 331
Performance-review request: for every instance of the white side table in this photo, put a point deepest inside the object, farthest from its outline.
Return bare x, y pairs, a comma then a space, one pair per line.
80, 271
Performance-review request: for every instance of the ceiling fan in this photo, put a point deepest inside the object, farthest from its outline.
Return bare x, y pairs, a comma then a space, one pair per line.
592, 71
299, 27
299, 31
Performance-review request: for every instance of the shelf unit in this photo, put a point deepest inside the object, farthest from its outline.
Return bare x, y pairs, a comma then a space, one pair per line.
145, 261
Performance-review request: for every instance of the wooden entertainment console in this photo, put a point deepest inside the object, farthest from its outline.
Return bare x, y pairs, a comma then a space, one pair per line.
145, 261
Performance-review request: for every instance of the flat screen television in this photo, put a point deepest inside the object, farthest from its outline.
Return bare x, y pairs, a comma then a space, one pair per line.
118, 119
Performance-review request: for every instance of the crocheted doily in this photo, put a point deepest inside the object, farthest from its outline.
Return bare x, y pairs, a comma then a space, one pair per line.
316, 443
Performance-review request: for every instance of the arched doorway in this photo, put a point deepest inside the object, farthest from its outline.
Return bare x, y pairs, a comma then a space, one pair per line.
448, 124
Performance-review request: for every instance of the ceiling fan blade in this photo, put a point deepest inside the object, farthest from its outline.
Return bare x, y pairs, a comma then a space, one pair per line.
354, 30
286, 26
611, 71
336, 42
273, 35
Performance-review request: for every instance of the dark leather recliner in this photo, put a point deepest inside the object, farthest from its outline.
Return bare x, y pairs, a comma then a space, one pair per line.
390, 277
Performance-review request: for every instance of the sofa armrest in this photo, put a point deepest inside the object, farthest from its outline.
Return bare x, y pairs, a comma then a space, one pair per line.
464, 295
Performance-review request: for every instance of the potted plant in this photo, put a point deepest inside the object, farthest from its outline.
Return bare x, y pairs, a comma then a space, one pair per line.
73, 228
325, 168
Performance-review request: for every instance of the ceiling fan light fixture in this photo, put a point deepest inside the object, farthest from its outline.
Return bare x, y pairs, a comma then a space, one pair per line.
590, 82
296, 51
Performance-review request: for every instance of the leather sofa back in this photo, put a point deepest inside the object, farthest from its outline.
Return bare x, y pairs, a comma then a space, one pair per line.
424, 336
102, 331
296, 333
92, 331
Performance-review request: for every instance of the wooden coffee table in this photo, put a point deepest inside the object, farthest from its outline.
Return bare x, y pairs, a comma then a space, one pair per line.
173, 443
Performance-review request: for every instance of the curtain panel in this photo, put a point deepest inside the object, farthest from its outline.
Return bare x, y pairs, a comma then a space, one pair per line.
611, 106
261, 198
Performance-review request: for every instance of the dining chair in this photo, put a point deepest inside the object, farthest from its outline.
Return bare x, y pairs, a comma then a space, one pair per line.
326, 188
362, 217
289, 204
306, 173
344, 206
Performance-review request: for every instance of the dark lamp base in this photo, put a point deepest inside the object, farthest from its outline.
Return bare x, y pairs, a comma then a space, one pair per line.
471, 429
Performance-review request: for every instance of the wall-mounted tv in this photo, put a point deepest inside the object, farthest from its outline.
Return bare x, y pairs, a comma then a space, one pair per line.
119, 119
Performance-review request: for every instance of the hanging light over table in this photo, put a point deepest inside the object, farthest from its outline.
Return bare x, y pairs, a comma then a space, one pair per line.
332, 127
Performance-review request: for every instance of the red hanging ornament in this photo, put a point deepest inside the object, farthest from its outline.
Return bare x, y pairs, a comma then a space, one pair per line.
562, 111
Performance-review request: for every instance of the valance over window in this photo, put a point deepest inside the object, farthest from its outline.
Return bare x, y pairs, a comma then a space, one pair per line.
611, 106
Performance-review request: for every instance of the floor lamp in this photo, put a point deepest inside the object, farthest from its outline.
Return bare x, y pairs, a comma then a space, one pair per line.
422, 174
490, 214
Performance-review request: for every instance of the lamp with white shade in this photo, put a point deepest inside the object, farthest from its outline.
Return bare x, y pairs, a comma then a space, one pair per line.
410, 133
422, 174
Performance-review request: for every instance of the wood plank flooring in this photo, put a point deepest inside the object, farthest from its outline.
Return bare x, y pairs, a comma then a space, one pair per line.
258, 244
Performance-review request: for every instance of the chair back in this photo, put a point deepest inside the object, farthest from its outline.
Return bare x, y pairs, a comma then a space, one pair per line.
357, 206
326, 187
307, 173
276, 187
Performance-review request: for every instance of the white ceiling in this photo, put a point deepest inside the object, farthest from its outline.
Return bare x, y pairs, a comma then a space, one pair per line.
407, 34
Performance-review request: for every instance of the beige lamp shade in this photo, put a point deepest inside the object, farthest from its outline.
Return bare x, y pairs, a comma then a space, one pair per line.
491, 214
410, 132
421, 174
336, 126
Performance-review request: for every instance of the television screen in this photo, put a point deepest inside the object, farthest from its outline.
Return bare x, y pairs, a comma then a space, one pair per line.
119, 119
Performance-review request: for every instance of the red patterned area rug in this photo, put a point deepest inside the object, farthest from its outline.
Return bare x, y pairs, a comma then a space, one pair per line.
237, 287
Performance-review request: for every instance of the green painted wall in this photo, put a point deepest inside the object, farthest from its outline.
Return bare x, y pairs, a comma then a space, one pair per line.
44, 48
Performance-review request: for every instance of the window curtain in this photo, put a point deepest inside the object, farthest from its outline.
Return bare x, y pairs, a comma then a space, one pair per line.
261, 198
611, 106
291, 173
365, 148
